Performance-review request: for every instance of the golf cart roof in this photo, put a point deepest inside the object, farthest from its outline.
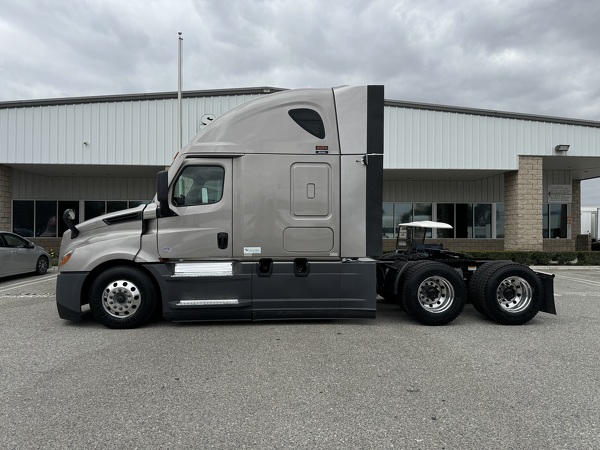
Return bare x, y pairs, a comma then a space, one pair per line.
426, 224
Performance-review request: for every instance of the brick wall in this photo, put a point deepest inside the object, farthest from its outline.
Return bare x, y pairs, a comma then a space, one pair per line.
5, 198
576, 208
523, 205
47, 242
559, 245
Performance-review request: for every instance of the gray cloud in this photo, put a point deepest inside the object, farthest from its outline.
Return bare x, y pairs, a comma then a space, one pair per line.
531, 56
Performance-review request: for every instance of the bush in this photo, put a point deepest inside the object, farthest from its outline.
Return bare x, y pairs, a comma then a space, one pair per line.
565, 257
588, 258
542, 258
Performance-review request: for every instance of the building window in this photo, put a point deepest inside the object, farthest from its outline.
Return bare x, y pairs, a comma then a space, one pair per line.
422, 211
445, 213
482, 220
23, 216
554, 221
93, 208
35, 218
115, 205
45, 219
464, 220
500, 220
387, 220
469, 220
403, 213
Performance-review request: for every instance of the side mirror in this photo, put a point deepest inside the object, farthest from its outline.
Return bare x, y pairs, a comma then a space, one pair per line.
69, 217
162, 193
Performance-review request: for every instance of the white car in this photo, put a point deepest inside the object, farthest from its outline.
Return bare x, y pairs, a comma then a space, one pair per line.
18, 255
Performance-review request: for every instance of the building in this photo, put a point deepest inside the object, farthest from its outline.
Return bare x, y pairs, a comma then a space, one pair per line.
503, 180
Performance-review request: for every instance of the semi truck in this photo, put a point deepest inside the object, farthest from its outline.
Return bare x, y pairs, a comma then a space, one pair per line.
274, 211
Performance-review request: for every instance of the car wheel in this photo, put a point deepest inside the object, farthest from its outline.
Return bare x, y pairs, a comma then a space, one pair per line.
41, 267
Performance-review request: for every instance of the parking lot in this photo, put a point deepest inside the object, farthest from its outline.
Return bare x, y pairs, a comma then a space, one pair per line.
384, 383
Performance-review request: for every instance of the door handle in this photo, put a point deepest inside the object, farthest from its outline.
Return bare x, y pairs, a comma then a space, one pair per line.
222, 240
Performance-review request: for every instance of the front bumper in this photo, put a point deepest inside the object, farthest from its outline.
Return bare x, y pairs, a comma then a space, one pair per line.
69, 295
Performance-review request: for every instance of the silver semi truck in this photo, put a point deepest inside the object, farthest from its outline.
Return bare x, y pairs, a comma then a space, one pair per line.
273, 211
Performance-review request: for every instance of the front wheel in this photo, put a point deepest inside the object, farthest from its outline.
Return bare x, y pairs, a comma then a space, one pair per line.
433, 293
122, 297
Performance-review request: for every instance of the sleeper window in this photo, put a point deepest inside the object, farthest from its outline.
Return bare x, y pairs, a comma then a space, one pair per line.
309, 120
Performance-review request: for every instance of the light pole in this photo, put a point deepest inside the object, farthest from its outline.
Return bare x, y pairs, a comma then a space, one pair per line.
179, 106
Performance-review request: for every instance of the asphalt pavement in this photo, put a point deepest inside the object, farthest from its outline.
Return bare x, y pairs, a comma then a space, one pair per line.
383, 383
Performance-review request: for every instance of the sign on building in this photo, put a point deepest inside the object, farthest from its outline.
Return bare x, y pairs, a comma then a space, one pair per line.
560, 193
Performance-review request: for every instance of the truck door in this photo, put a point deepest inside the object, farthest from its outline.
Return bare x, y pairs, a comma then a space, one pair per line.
199, 280
201, 196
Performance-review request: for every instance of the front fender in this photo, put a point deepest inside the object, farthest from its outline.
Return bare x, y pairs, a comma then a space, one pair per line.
99, 249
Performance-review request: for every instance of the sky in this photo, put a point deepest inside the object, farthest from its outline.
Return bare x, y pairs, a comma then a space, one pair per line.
527, 56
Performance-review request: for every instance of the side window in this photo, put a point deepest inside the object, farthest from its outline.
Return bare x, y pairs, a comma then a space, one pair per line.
199, 185
14, 241
309, 120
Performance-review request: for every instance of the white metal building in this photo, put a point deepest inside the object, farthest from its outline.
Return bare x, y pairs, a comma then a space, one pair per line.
503, 180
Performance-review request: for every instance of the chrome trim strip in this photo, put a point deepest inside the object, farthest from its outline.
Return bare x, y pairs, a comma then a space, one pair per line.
207, 302
224, 269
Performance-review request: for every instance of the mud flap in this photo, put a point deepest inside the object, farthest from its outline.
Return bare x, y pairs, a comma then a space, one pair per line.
548, 305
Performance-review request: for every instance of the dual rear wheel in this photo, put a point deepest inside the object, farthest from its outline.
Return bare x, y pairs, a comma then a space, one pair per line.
434, 293
506, 292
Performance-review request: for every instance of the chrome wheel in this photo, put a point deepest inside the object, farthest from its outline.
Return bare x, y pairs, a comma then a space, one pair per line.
514, 294
435, 294
121, 298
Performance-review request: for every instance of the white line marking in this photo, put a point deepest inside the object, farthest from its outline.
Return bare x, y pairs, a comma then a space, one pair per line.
581, 280
21, 284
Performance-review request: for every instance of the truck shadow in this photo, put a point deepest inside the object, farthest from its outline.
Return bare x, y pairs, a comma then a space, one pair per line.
387, 312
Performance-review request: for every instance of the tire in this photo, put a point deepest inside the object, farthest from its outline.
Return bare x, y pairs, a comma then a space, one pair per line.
509, 293
433, 293
478, 281
122, 297
41, 266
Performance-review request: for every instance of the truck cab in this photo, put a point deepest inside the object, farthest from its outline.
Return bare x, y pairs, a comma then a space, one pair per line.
272, 211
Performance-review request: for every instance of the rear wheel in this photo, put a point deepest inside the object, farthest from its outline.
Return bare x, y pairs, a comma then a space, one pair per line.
509, 293
479, 280
41, 267
433, 293
122, 297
